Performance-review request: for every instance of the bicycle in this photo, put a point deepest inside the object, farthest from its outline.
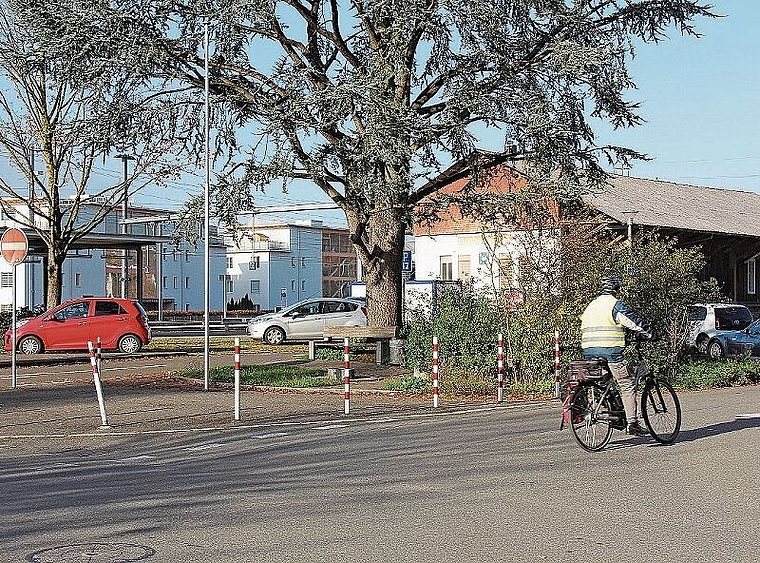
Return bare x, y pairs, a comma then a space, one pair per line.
594, 407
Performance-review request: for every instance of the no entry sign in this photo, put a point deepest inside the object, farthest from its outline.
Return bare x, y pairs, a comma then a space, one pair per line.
14, 246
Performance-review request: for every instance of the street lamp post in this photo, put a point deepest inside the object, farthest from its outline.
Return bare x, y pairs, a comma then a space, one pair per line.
207, 213
125, 158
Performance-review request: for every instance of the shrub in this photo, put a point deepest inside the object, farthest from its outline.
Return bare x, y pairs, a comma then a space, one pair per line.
703, 374
660, 279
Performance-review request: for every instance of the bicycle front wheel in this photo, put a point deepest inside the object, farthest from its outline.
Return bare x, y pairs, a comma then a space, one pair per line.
661, 410
590, 420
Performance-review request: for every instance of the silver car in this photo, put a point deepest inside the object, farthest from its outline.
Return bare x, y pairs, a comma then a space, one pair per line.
706, 320
307, 319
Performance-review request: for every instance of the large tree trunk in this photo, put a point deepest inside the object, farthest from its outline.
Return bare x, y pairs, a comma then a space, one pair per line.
382, 266
54, 277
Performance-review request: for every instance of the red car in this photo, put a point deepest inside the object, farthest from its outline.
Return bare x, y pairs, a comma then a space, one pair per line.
121, 324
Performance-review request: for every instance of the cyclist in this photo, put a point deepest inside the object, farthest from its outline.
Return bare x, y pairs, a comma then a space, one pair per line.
603, 326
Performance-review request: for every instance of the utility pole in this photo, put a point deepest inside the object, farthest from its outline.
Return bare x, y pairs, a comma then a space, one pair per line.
125, 158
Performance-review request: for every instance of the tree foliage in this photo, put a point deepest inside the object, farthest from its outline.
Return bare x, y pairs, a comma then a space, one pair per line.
366, 98
56, 122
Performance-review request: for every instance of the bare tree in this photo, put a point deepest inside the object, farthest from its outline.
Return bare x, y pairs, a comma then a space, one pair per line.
52, 120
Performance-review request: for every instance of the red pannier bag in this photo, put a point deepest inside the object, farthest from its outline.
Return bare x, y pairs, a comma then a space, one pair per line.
577, 371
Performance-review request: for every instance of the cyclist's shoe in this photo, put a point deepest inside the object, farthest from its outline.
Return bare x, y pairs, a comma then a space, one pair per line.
636, 429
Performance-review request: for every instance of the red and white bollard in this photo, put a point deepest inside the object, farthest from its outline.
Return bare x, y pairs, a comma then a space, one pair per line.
346, 377
99, 355
435, 372
556, 364
237, 378
500, 367
98, 387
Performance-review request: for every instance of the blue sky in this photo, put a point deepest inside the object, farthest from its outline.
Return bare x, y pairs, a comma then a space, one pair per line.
700, 98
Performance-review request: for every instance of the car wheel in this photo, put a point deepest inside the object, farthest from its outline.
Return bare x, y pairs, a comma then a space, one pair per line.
702, 342
29, 345
715, 350
274, 335
129, 344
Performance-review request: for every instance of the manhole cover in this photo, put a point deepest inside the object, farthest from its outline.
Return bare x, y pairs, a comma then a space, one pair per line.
92, 553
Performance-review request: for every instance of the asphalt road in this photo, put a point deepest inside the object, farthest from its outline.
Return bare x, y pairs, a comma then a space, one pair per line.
484, 484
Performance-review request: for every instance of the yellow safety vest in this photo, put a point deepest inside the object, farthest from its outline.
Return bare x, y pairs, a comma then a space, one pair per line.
598, 327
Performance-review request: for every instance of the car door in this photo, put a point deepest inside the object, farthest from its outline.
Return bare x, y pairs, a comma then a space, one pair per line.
109, 322
752, 335
67, 328
338, 313
695, 317
305, 321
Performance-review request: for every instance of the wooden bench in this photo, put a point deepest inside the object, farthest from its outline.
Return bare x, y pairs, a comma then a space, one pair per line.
380, 336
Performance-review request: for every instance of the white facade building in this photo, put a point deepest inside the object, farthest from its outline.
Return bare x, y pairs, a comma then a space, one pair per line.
95, 271
275, 265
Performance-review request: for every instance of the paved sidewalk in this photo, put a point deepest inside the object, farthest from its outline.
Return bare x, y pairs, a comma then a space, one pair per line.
68, 413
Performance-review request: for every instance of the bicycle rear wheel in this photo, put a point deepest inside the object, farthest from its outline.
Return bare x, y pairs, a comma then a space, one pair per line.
661, 410
590, 421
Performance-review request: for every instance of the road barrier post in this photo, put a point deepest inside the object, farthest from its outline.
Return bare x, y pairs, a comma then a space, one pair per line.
346, 377
98, 387
237, 378
99, 356
435, 372
500, 367
556, 364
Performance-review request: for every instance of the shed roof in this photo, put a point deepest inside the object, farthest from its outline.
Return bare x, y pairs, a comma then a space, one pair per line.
659, 203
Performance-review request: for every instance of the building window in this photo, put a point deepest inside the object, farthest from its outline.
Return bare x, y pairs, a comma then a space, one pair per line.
465, 267
292, 262
255, 286
6, 280
447, 268
751, 277
77, 279
303, 285
506, 265
187, 283
187, 306
175, 282
292, 285
255, 263
163, 282
229, 262
230, 286
303, 262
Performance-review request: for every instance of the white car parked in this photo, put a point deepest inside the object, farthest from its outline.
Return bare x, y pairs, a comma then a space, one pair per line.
307, 319
708, 319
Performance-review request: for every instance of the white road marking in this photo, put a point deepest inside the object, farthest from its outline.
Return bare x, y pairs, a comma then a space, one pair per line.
272, 435
321, 425
203, 447
331, 426
748, 416
134, 458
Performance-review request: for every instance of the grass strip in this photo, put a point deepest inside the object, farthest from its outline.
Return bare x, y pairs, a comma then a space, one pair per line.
265, 375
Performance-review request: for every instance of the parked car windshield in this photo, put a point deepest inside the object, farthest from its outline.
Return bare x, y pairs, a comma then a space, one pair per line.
732, 318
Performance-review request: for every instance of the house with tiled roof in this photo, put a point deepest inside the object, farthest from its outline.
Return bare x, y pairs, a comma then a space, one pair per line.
721, 221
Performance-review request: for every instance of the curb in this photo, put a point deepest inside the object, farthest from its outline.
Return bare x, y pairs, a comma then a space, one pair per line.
73, 358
